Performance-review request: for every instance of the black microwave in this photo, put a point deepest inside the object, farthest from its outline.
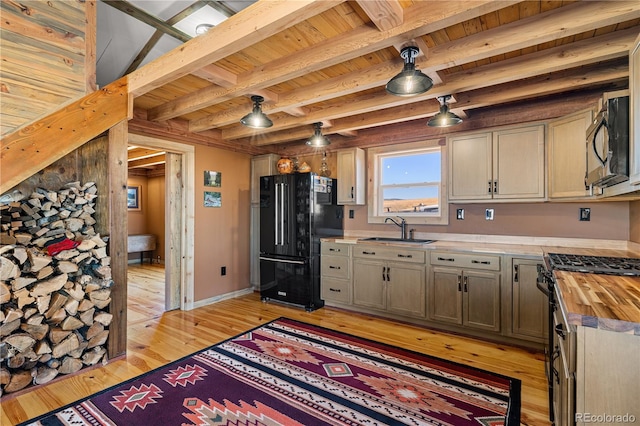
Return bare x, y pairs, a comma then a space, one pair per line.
608, 144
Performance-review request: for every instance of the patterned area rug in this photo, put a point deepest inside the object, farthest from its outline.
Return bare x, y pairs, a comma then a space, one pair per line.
291, 373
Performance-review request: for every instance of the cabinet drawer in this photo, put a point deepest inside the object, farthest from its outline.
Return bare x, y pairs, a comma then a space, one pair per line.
335, 266
335, 290
466, 260
334, 249
386, 253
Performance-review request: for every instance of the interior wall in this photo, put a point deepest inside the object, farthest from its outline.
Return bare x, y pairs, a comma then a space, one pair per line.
155, 214
609, 220
137, 219
634, 221
222, 233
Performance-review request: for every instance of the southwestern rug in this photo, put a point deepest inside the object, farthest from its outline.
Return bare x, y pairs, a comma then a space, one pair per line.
291, 373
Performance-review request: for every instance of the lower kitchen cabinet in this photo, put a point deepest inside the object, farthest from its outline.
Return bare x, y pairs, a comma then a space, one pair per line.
381, 283
529, 306
335, 273
461, 295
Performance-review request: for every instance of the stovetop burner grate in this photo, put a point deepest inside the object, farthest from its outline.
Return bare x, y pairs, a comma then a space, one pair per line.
595, 264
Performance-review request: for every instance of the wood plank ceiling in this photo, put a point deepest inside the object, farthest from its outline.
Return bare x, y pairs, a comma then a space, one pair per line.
330, 64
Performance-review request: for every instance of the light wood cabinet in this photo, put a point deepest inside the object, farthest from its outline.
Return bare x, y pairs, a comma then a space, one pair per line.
567, 155
466, 291
261, 165
634, 121
335, 273
391, 280
505, 164
351, 176
529, 306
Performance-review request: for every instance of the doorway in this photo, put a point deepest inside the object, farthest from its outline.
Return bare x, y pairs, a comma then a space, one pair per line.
178, 219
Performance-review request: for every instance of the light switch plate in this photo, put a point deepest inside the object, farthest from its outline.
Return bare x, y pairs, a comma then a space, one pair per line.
460, 214
585, 214
488, 214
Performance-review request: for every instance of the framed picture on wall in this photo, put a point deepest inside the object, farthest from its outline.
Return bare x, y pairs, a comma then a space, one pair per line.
133, 197
212, 178
212, 199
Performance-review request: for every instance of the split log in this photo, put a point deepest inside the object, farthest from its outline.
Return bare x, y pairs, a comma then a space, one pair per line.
93, 356
99, 339
71, 307
71, 323
57, 301
5, 293
67, 267
86, 245
103, 318
8, 269
44, 375
22, 238
38, 260
100, 298
5, 376
16, 361
85, 305
42, 302
9, 327
20, 254
29, 315
20, 341
19, 380
87, 316
11, 314
103, 272
95, 329
76, 292
42, 348
49, 286
70, 365
21, 282
45, 272
58, 316
38, 332
69, 344
57, 335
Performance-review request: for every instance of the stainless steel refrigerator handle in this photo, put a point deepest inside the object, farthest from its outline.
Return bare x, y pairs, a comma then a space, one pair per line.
271, 259
276, 216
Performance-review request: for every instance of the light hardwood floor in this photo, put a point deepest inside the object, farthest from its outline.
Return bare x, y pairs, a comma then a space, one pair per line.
156, 338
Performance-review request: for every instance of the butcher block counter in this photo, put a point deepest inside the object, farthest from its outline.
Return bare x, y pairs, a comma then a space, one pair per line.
606, 302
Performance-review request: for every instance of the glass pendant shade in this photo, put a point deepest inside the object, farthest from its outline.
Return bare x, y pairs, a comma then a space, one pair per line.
318, 140
256, 119
444, 118
409, 81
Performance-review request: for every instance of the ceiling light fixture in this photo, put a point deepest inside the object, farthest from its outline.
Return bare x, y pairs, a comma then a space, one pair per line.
444, 118
256, 119
410, 81
203, 28
318, 140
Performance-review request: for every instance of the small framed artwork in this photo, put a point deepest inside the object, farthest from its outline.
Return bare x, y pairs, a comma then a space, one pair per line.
212, 199
133, 197
212, 178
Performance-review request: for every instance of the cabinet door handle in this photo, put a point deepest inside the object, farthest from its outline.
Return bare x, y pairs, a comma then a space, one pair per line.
352, 190
333, 267
466, 285
481, 262
388, 270
495, 186
334, 249
337, 290
515, 273
447, 259
371, 253
459, 283
490, 187
384, 269
408, 256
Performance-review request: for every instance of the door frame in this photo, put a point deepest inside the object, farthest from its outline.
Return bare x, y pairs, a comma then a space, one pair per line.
179, 285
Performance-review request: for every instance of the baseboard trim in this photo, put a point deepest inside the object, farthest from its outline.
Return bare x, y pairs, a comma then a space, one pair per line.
220, 298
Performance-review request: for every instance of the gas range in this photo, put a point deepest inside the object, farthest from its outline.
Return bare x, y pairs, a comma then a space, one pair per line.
595, 264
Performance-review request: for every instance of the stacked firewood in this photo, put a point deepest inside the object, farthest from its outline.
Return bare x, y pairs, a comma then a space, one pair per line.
55, 286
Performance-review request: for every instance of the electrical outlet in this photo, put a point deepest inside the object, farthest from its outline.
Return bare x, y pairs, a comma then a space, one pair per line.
585, 214
351, 213
223, 270
460, 214
488, 214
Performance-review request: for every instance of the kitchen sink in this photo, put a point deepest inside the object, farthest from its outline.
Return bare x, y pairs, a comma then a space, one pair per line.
395, 240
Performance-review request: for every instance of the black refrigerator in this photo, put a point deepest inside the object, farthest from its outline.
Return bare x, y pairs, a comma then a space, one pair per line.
296, 211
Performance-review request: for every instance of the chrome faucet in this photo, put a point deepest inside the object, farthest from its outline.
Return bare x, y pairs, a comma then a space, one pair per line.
402, 225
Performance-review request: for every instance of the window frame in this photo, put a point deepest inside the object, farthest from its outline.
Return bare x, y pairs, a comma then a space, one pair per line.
373, 165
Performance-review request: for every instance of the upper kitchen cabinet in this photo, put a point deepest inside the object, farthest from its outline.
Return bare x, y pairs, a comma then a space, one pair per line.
351, 180
506, 164
634, 122
567, 155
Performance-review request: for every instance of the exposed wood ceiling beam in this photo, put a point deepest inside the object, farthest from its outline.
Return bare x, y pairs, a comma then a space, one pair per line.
150, 20
606, 47
525, 33
142, 153
385, 14
147, 162
257, 22
358, 42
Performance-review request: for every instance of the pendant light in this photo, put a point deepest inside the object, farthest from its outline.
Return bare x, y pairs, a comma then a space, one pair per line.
444, 118
410, 81
318, 140
256, 119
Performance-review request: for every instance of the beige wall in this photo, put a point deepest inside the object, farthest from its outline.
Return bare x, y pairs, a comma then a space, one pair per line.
609, 220
155, 214
137, 220
634, 221
222, 233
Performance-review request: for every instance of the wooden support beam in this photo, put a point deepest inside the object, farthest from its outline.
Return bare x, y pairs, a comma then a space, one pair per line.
385, 14
40, 143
